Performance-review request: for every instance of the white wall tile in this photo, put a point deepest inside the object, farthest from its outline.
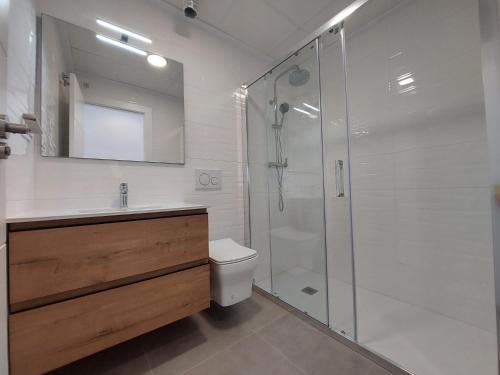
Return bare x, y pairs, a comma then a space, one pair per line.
421, 210
213, 69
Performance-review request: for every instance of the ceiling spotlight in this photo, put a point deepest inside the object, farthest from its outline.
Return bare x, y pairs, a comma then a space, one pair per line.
191, 8
157, 61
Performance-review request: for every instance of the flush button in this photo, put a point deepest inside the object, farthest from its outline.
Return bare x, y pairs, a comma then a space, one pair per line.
204, 179
208, 179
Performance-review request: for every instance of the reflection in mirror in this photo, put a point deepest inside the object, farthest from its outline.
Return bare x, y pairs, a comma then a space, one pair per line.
103, 102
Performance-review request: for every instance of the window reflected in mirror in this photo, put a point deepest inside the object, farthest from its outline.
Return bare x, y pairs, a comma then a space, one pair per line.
99, 101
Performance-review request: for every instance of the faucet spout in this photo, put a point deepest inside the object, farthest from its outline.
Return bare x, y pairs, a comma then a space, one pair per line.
123, 195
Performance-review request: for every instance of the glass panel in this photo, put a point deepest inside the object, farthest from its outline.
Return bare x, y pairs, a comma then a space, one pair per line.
337, 192
296, 185
286, 183
258, 120
420, 192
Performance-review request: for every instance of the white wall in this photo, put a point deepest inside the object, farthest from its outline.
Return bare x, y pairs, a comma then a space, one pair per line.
4, 354
213, 69
421, 202
19, 99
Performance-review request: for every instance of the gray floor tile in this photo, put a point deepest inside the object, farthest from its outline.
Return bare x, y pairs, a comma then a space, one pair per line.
181, 345
253, 313
253, 337
251, 356
127, 358
313, 351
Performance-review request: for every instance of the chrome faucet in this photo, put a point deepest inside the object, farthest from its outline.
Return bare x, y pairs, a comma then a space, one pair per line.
123, 195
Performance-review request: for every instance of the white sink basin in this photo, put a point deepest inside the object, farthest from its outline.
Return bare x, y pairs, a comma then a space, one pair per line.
77, 213
127, 209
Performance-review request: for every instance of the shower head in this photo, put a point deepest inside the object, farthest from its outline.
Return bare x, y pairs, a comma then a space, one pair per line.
296, 77
284, 107
299, 77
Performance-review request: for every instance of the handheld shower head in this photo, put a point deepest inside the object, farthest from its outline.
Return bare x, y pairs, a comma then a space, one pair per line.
284, 107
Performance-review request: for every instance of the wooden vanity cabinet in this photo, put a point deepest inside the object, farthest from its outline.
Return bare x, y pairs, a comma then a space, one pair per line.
79, 286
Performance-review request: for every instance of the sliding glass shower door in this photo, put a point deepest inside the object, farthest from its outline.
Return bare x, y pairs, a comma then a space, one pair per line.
341, 296
286, 166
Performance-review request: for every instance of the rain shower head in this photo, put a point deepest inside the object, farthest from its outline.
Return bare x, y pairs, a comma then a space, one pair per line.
299, 77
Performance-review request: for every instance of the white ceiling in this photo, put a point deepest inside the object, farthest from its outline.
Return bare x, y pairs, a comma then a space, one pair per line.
85, 54
272, 27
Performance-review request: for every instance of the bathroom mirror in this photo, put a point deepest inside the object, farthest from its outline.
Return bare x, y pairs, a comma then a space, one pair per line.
102, 101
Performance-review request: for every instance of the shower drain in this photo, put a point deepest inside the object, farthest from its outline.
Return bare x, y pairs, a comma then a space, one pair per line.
309, 290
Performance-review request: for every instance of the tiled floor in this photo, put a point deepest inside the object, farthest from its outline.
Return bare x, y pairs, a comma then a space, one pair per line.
253, 337
289, 284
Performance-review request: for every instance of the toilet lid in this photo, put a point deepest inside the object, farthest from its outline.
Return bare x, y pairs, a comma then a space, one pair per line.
227, 251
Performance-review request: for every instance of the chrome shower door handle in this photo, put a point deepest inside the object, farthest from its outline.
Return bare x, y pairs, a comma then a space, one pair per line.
339, 178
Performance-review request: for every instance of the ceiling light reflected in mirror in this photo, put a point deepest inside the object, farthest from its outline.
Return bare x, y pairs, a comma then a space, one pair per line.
157, 61
123, 31
117, 43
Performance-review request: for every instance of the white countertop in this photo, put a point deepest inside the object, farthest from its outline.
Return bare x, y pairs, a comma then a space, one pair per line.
97, 212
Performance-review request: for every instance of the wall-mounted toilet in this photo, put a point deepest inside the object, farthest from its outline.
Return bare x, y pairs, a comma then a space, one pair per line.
232, 267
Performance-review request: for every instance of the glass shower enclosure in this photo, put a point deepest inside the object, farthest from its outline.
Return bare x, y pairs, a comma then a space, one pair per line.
292, 158
368, 194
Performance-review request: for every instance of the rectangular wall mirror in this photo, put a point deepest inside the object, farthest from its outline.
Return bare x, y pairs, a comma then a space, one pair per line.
100, 101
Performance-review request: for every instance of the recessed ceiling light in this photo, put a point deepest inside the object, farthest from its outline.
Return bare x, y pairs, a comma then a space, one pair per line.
157, 60
124, 31
121, 45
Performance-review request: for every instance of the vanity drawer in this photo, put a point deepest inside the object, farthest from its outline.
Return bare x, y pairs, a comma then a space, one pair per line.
49, 337
49, 265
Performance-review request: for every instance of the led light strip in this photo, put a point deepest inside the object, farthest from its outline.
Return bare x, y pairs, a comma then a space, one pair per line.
124, 31
121, 45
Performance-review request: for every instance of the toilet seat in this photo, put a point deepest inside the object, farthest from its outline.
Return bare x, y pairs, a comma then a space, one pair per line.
226, 251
